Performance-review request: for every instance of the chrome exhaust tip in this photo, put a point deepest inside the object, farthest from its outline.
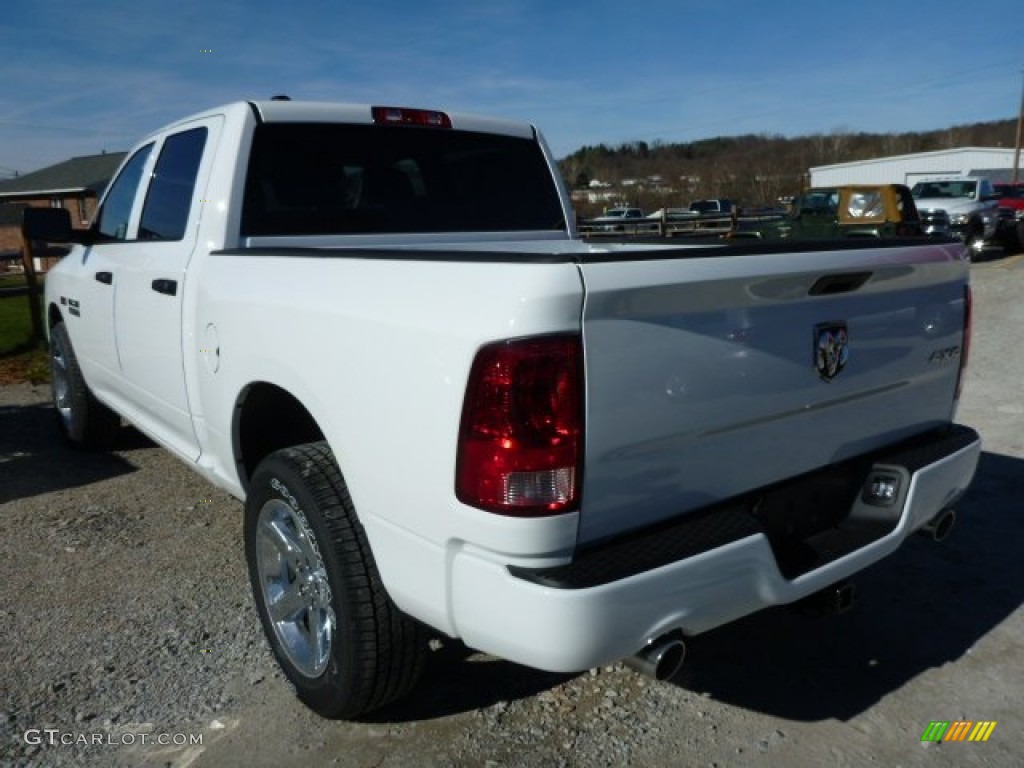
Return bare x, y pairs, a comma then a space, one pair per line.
661, 659
939, 527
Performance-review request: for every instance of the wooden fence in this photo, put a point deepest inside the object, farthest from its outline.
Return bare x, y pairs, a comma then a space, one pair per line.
676, 225
32, 289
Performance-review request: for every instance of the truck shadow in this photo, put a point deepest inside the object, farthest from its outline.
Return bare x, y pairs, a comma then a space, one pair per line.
35, 459
457, 679
923, 607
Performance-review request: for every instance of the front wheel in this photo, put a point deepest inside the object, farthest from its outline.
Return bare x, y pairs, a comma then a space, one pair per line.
339, 639
82, 418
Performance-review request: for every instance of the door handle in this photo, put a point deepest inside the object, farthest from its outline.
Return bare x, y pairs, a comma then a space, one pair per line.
165, 286
833, 284
107, 278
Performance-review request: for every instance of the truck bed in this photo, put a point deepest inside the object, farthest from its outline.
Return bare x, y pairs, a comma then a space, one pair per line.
700, 360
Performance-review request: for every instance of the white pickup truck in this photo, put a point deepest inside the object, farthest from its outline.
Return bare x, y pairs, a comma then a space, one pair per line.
969, 202
447, 414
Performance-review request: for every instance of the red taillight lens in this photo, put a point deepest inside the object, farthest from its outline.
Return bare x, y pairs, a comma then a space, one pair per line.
405, 116
521, 439
965, 348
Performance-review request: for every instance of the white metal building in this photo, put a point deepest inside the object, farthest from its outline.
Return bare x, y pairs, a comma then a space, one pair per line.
994, 162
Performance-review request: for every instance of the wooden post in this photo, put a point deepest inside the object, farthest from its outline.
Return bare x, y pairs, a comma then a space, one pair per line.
34, 307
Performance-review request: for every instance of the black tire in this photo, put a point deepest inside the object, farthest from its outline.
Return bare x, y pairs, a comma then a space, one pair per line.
83, 419
339, 639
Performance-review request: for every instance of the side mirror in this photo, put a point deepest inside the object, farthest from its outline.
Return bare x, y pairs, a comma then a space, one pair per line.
53, 225
48, 225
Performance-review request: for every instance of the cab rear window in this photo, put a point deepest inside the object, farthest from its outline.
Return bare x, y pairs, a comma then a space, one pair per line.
323, 179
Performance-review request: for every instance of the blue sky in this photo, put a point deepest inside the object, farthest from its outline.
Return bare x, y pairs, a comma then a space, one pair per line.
77, 78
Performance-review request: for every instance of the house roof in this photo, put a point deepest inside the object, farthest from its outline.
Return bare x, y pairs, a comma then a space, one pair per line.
88, 174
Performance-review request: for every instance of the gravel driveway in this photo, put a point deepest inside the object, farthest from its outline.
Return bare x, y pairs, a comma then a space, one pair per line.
129, 634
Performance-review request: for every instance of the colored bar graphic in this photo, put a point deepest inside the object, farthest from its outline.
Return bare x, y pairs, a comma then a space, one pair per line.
983, 730
958, 730
935, 731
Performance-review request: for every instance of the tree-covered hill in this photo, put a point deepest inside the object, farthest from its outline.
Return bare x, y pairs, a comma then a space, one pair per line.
753, 169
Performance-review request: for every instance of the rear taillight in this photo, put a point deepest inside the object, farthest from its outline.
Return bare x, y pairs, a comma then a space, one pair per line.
965, 347
521, 439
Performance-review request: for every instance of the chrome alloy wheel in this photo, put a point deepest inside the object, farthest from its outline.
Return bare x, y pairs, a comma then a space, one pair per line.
61, 382
294, 586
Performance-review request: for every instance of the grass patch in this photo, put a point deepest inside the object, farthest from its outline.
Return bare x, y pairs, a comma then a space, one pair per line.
15, 318
15, 325
20, 358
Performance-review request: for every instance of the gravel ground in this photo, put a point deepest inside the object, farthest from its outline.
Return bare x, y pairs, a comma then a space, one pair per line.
126, 620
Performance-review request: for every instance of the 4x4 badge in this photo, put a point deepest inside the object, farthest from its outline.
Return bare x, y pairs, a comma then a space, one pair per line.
831, 349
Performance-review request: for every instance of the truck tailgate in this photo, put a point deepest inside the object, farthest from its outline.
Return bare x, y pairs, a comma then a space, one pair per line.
709, 375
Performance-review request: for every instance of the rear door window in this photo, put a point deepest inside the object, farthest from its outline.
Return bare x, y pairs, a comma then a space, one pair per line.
172, 189
866, 204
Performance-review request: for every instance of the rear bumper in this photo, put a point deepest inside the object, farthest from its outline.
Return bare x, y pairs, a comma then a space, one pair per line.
611, 601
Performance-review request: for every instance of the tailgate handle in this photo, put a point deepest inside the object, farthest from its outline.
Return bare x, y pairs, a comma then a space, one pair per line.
107, 278
163, 285
845, 283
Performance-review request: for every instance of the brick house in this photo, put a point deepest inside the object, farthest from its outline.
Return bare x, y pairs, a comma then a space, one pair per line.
75, 184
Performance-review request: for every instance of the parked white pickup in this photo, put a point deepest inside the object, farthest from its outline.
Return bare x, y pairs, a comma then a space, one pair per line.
969, 202
378, 328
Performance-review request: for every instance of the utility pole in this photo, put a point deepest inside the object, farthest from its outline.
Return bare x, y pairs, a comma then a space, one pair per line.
1020, 122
